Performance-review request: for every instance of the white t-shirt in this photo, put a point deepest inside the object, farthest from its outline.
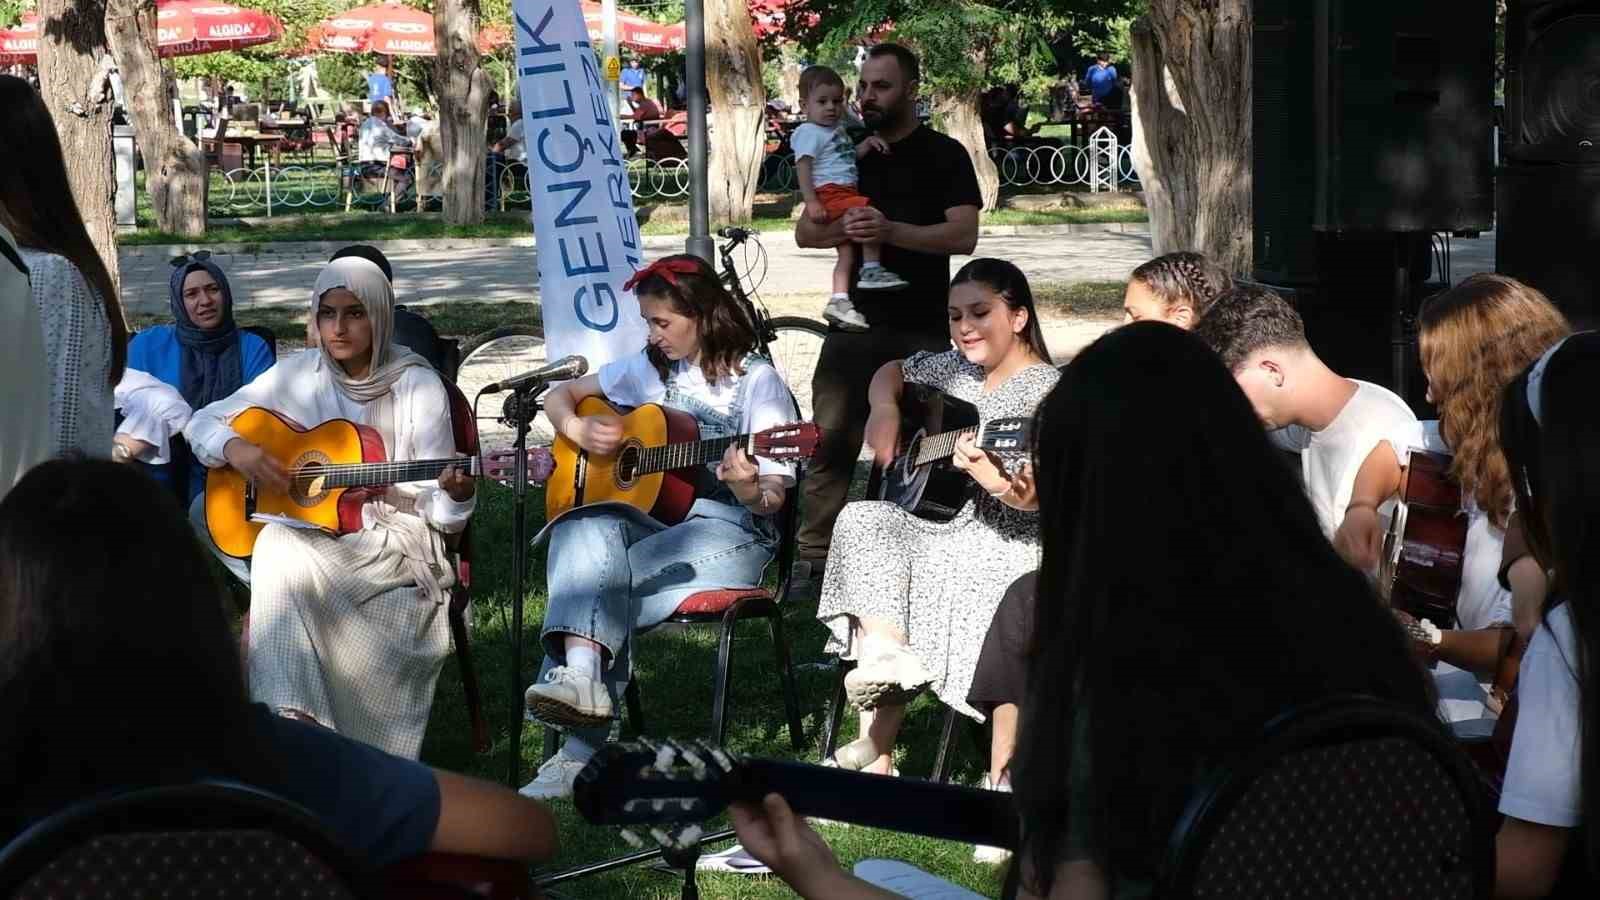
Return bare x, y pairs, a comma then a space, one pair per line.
377, 140
633, 381
832, 153
1331, 458
518, 151
1481, 602
1542, 776
25, 436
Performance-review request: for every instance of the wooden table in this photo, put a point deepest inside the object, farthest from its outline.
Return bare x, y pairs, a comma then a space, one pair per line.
251, 141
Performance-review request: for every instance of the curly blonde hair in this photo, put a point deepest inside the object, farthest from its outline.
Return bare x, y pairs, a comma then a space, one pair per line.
1474, 339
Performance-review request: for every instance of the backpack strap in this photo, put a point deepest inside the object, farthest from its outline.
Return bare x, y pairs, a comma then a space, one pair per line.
11, 254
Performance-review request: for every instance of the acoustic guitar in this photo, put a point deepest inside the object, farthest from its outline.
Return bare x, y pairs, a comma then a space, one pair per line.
333, 469
438, 876
659, 469
922, 479
673, 786
1423, 552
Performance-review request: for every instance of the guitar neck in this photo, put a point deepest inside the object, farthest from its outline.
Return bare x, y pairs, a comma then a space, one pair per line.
384, 473
940, 446
689, 453
947, 812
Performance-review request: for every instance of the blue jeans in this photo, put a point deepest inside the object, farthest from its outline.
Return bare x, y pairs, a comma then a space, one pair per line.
613, 571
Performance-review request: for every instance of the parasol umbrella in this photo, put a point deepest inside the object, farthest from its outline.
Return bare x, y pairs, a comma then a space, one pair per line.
183, 28
390, 28
634, 31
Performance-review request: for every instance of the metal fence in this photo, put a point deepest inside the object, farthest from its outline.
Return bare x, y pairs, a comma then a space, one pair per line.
315, 186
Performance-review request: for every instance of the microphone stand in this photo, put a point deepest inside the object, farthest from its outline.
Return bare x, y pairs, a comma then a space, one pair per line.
521, 408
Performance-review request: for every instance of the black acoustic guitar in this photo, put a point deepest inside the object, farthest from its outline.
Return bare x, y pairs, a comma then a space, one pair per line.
673, 786
922, 479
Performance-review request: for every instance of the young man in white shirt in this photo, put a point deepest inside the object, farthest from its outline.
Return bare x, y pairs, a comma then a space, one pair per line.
376, 147
1350, 435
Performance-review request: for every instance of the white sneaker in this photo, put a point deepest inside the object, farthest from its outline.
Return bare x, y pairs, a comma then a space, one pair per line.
854, 756
555, 778
994, 856
842, 313
892, 677
568, 698
878, 278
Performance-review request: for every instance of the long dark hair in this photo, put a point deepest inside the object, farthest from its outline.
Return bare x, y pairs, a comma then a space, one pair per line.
1009, 284
36, 201
726, 333
1186, 596
117, 667
1555, 470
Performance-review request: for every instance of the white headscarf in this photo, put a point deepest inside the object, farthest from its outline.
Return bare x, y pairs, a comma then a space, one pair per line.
389, 361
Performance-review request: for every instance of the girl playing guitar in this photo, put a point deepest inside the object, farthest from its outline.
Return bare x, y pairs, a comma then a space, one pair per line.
614, 570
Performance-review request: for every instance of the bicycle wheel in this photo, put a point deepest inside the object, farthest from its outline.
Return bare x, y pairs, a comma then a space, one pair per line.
795, 348
495, 356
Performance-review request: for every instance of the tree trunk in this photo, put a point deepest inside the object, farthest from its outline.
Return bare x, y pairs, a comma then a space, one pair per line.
1192, 100
174, 166
958, 117
72, 41
738, 111
464, 88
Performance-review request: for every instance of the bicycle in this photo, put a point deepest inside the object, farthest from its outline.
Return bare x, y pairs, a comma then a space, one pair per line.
793, 343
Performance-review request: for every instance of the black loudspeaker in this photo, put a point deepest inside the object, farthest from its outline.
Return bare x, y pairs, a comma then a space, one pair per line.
1369, 117
1405, 101
1548, 189
1285, 185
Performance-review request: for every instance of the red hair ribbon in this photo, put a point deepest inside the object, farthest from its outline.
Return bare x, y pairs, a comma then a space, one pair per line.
668, 268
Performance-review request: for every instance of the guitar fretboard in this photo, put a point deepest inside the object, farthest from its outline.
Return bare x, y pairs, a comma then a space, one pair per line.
689, 453
381, 473
939, 446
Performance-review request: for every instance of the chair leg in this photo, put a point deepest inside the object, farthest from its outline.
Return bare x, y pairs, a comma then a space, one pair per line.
552, 743
791, 700
630, 696
719, 698
830, 728
942, 761
469, 674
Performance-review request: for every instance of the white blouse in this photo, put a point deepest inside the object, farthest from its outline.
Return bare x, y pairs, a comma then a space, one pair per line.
299, 389
77, 346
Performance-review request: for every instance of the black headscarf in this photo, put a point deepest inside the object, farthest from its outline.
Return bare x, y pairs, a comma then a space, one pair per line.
211, 361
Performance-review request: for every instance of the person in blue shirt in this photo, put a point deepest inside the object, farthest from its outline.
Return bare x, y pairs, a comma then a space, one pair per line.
203, 353
380, 84
632, 76
1102, 78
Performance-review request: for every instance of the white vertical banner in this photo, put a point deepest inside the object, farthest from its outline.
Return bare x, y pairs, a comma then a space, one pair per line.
587, 238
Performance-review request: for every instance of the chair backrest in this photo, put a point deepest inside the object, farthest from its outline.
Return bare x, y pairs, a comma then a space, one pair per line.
203, 840
266, 334
1351, 796
413, 331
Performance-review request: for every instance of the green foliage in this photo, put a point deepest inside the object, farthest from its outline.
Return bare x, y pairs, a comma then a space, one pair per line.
11, 11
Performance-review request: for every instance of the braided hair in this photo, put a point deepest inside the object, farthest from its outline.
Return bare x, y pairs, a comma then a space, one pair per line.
1184, 278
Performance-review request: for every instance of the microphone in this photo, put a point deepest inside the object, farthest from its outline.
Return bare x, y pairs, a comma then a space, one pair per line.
560, 370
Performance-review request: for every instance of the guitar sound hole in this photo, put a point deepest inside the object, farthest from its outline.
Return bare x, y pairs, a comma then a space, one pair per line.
627, 465
304, 489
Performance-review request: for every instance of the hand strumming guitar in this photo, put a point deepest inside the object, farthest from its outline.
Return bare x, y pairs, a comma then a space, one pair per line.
883, 432
1360, 537
253, 463
600, 434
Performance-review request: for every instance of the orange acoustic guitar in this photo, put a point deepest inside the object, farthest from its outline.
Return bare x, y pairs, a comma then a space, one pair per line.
332, 470
648, 471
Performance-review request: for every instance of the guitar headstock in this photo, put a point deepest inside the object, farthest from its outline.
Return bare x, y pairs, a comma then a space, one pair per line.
501, 465
795, 441
1012, 434
647, 782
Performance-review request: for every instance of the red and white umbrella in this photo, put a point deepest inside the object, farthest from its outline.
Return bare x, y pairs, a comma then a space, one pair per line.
635, 32
389, 28
183, 28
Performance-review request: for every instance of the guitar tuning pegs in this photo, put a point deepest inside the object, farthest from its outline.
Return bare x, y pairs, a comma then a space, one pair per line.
689, 836
665, 754
720, 756
631, 839
661, 837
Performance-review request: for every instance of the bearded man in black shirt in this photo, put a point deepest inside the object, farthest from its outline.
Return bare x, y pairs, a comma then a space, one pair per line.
925, 205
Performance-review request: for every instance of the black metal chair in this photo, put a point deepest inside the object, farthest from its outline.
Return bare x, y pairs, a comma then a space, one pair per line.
727, 607
1350, 797
205, 840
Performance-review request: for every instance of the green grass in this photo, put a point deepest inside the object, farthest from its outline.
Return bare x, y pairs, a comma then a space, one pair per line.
1091, 299
674, 671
